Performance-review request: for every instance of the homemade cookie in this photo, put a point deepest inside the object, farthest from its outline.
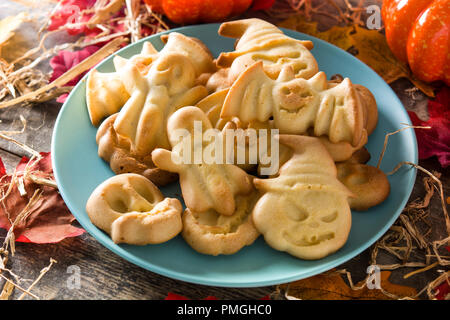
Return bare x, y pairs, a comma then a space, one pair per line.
370, 108
369, 184
106, 93
132, 210
116, 151
297, 105
169, 85
368, 102
220, 80
259, 40
212, 107
205, 184
252, 143
211, 233
342, 151
304, 210
197, 52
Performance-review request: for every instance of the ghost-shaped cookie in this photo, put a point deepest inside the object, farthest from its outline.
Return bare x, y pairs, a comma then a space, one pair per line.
205, 185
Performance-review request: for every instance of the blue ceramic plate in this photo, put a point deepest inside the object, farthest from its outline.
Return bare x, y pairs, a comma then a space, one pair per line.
78, 170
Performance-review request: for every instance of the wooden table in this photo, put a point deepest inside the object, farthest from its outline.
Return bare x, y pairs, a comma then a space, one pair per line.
105, 275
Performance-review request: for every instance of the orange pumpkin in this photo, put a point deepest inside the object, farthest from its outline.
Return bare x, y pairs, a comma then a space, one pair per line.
418, 32
192, 11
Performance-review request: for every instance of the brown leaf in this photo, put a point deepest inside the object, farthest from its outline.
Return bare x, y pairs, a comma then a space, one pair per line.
339, 36
8, 25
331, 286
370, 46
49, 219
7, 290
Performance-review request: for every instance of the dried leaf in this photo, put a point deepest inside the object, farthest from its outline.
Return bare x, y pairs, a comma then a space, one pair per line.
72, 12
331, 286
106, 12
339, 36
86, 64
49, 220
443, 291
64, 61
77, 17
7, 290
435, 141
369, 46
8, 25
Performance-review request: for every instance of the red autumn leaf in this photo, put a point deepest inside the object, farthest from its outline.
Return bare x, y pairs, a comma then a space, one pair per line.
49, 220
262, 4
65, 60
2, 168
435, 141
443, 291
71, 11
174, 296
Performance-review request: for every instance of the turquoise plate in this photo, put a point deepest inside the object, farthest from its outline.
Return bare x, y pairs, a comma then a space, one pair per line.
78, 170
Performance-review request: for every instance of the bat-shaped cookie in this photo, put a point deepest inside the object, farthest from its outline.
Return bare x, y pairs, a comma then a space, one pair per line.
297, 105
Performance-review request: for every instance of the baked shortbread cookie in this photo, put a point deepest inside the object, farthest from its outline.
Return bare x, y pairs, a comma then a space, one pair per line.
220, 80
106, 93
370, 108
169, 85
237, 131
116, 151
259, 40
297, 105
342, 151
304, 210
211, 233
212, 107
205, 184
369, 184
367, 100
132, 210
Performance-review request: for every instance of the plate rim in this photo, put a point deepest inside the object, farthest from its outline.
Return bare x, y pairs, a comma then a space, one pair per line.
195, 279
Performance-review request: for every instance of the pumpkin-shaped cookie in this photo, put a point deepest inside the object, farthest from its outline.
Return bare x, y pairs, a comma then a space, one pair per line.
304, 210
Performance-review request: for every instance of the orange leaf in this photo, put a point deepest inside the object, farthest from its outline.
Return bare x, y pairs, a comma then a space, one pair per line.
370, 45
331, 286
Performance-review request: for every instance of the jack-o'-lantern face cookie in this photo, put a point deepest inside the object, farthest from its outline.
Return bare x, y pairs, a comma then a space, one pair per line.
304, 210
132, 210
